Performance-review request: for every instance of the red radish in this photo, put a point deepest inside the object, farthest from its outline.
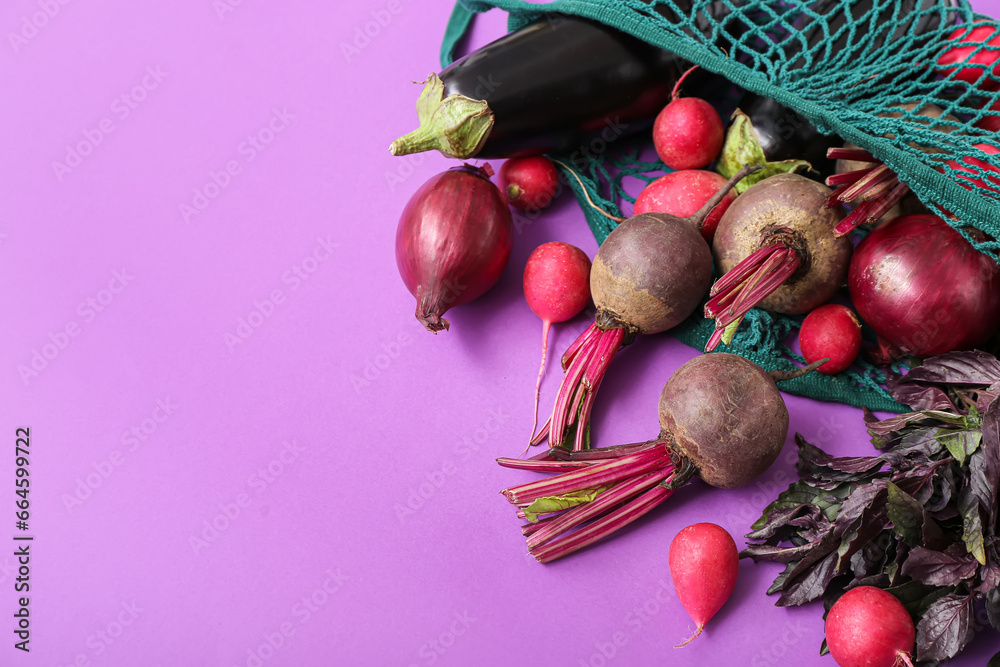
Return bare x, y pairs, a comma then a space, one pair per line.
832, 331
557, 288
682, 193
453, 241
923, 288
974, 53
688, 133
775, 247
704, 564
721, 417
650, 273
976, 174
529, 183
868, 627
991, 119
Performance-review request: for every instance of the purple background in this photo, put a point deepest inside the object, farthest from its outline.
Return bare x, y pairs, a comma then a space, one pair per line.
176, 372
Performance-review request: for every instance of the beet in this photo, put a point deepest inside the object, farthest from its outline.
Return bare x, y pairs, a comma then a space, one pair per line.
648, 276
726, 416
721, 417
779, 232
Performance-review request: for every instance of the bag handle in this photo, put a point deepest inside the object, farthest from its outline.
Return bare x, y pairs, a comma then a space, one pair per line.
458, 27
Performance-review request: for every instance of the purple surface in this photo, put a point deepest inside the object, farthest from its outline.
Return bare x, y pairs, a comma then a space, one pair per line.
245, 450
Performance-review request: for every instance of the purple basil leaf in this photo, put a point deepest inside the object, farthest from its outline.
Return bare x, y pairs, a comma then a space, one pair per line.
873, 521
993, 607
972, 525
920, 397
780, 518
906, 514
986, 396
895, 423
776, 554
984, 466
945, 628
812, 585
856, 503
971, 367
932, 534
939, 568
961, 444
779, 581
917, 597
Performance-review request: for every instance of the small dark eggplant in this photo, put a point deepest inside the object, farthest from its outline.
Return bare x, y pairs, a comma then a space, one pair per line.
555, 86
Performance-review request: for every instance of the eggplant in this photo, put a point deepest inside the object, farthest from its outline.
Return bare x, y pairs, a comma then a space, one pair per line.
555, 86
785, 135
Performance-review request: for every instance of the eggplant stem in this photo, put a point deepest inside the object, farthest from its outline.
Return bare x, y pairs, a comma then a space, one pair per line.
586, 195
783, 376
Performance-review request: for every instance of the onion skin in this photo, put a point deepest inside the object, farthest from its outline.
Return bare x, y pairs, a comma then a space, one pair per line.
914, 281
453, 241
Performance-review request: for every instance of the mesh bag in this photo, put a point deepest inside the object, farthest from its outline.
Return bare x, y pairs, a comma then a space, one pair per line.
862, 69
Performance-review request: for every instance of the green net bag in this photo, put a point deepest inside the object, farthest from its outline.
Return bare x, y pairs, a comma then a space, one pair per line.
860, 69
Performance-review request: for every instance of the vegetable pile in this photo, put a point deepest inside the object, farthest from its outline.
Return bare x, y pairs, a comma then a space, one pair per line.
918, 517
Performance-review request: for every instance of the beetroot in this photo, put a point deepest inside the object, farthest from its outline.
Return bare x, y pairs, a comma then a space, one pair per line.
650, 273
557, 288
453, 241
688, 133
529, 183
776, 249
704, 565
682, 193
868, 627
721, 417
831, 331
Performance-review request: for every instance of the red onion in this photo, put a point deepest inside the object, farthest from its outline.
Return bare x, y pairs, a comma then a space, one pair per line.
923, 288
453, 241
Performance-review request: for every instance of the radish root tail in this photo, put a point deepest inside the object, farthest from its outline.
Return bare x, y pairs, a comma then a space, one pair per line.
692, 637
538, 384
905, 658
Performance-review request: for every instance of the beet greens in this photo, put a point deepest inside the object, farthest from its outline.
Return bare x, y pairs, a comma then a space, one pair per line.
917, 518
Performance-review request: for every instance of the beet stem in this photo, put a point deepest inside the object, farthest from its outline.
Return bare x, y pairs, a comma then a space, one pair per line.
580, 341
582, 513
847, 177
542, 466
865, 183
856, 154
574, 400
603, 453
603, 526
779, 263
592, 477
739, 273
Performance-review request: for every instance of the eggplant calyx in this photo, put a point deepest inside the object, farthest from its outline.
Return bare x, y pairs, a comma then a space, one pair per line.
455, 125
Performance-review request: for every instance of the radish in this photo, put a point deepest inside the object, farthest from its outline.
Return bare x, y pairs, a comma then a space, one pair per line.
453, 241
721, 417
868, 627
831, 331
688, 132
973, 54
529, 183
976, 174
682, 193
648, 276
704, 564
557, 288
776, 249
